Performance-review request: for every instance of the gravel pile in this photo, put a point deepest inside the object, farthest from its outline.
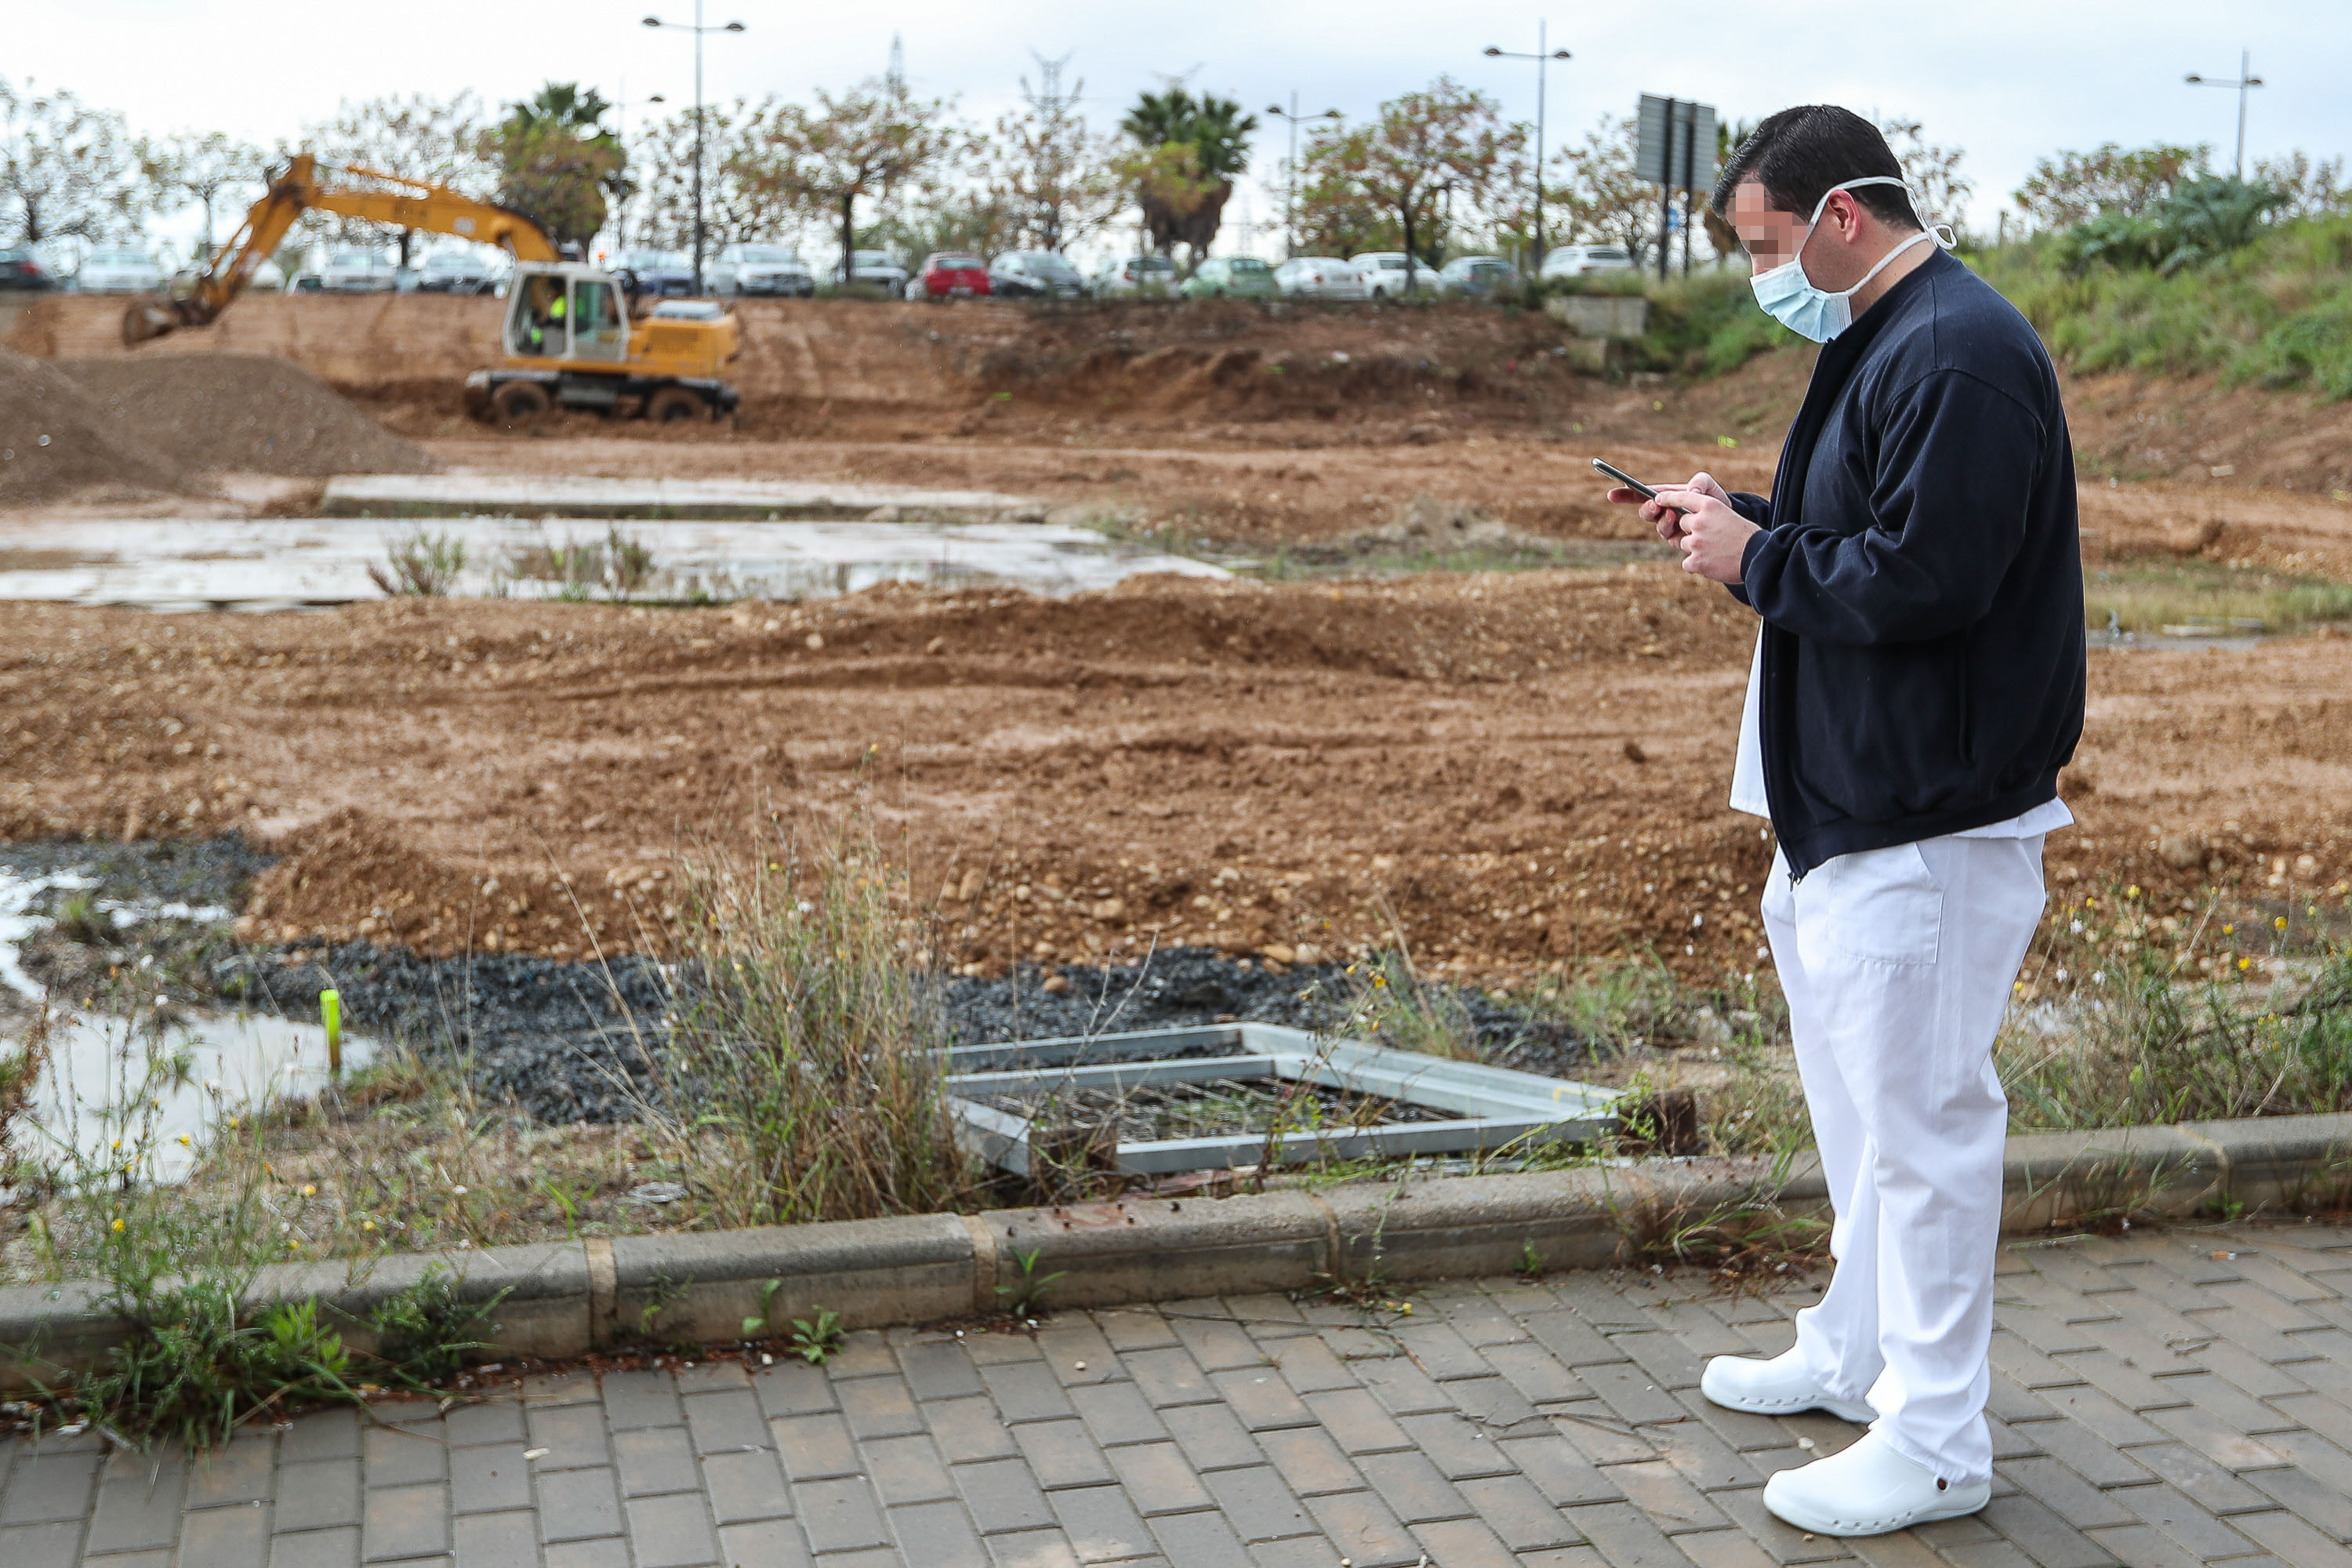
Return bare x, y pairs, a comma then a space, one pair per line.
56, 437
248, 413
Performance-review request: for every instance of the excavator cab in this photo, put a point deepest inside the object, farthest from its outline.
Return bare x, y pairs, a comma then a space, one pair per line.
565, 312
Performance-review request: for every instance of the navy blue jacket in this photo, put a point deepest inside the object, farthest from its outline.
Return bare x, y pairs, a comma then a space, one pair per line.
1920, 578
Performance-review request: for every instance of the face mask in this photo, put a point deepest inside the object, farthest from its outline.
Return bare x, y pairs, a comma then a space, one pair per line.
1790, 298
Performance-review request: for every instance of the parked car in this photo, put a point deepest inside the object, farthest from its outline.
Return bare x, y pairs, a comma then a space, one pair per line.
950, 275
22, 266
1478, 277
1576, 260
120, 271
454, 270
877, 266
1035, 275
1140, 275
353, 270
1224, 276
688, 310
268, 278
1385, 272
1319, 278
655, 274
752, 269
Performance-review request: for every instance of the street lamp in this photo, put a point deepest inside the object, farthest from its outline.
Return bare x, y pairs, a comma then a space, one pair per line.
1290, 186
698, 29
2246, 78
1543, 59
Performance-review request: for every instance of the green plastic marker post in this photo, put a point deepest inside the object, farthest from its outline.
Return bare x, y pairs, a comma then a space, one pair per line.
330, 1014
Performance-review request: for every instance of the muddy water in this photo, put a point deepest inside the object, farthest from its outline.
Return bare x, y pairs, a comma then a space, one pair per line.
148, 1096
280, 564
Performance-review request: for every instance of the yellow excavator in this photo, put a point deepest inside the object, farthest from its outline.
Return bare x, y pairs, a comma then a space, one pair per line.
567, 334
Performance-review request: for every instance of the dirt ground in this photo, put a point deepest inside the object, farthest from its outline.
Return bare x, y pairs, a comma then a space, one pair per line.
1511, 770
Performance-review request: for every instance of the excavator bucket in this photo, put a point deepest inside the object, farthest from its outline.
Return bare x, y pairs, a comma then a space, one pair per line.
146, 319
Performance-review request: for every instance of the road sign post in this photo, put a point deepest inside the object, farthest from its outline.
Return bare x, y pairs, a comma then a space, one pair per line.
1671, 132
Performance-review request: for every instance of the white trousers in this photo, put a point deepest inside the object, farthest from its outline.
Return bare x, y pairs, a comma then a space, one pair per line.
1898, 966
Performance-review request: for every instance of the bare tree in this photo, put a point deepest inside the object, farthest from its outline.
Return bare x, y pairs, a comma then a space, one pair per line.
1428, 152
1930, 173
2312, 189
2063, 191
1604, 199
1052, 174
415, 137
868, 143
66, 170
736, 202
202, 166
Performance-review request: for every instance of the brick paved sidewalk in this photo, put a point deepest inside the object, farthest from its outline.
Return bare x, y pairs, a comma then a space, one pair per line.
2160, 1399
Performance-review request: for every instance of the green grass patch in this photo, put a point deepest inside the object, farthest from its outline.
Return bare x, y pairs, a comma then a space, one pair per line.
2150, 596
2276, 314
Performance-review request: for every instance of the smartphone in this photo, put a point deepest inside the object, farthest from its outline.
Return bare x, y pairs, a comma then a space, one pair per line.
1628, 480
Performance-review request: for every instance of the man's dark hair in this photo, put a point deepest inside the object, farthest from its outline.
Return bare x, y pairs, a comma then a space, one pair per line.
1798, 154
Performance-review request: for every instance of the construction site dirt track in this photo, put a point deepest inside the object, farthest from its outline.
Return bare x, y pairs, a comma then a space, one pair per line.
1510, 770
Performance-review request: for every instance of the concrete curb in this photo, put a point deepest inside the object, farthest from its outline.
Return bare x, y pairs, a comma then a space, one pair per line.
567, 1299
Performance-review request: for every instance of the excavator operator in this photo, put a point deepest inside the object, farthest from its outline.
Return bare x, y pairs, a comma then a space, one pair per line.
545, 333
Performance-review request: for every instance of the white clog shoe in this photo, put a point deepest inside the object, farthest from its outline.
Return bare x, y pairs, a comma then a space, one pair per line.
1868, 1489
1780, 1386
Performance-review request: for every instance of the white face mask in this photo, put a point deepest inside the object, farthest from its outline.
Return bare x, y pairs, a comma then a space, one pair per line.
1790, 297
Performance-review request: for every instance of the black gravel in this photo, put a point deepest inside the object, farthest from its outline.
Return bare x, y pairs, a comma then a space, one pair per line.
562, 1041
194, 871
567, 1041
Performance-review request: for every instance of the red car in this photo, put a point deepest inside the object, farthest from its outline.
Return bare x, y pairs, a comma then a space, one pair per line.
950, 275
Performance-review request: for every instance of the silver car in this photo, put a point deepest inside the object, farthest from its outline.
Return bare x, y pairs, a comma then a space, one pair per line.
1319, 277
1576, 260
455, 271
751, 268
121, 270
355, 271
877, 266
1149, 276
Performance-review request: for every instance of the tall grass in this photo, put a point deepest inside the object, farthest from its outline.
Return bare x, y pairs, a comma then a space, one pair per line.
802, 1080
2277, 313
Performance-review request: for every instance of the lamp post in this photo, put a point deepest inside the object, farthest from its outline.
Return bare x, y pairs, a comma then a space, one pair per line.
698, 29
2246, 79
1543, 56
1290, 185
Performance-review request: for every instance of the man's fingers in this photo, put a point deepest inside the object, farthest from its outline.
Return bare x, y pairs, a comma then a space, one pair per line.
1625, 497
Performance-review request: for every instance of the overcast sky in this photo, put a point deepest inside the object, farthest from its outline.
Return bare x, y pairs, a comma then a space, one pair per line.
2008, 80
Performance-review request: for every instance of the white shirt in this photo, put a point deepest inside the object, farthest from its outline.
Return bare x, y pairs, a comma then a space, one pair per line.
1748, 775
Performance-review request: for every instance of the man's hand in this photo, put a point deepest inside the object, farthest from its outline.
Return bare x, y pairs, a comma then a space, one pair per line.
1713, 537
1665, 519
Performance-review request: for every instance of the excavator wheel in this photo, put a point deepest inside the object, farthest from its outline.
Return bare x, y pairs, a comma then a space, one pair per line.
519, 404
672, 403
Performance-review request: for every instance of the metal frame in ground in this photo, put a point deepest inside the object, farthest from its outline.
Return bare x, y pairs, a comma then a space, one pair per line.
1490, 1108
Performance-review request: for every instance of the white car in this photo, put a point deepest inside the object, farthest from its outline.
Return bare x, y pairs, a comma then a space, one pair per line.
1385, 272
1319, 278
748, 268
1576, 260
355, 271
688, 310
120, 271
1138, 275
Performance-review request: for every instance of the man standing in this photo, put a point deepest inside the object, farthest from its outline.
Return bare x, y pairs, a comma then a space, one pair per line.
1918, 682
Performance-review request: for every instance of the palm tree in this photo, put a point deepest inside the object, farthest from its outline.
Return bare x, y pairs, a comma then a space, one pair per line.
1192, 149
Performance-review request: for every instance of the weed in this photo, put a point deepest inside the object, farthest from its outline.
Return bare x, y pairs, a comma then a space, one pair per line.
1530, 1265
425, 1330
1747, 1234
1025, 1297
815, 1342
420, 564
802, 1078
754, 1327
2144, 596
79, 919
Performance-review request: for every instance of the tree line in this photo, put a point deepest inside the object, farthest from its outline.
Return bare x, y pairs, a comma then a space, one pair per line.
1440, 170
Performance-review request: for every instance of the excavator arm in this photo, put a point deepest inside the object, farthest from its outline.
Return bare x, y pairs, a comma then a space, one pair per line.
389, 199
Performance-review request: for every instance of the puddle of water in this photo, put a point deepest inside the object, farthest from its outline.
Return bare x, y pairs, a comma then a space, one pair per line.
280, 563
149, 1097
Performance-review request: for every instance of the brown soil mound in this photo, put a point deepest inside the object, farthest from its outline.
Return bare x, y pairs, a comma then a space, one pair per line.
249, 413
58, 438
